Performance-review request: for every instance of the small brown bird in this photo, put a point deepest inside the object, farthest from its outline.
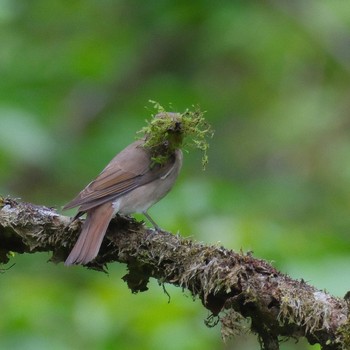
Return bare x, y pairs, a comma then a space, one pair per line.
131, 183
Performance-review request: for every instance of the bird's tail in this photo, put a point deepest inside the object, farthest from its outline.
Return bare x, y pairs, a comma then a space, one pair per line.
89, 242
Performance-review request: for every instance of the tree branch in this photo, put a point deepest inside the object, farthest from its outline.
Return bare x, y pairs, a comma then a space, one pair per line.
233, 286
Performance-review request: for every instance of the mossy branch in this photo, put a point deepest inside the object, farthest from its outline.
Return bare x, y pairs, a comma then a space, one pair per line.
235, 287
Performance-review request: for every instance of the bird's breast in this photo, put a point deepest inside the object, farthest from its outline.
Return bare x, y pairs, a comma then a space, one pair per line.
143, 197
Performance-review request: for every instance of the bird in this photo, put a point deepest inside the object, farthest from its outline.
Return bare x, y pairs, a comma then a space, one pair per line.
131, 183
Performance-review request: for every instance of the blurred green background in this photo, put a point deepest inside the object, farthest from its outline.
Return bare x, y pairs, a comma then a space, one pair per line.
273, 76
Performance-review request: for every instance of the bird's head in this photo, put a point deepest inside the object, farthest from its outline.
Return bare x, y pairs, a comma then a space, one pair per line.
169, 131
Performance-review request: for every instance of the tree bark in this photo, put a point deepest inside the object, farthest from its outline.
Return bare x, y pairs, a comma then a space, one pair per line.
235, 287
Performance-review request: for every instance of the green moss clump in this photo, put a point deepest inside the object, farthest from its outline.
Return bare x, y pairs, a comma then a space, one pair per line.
168, 131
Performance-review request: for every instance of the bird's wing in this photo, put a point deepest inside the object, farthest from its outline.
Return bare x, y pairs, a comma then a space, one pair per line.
128, 170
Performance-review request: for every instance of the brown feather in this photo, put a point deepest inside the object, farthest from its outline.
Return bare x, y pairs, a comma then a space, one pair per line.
122, 175
91, 236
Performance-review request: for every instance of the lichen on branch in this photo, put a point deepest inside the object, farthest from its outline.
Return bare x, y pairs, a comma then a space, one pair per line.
239, 290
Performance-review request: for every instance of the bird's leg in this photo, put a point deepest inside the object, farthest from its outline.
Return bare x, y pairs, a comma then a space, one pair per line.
157, 228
